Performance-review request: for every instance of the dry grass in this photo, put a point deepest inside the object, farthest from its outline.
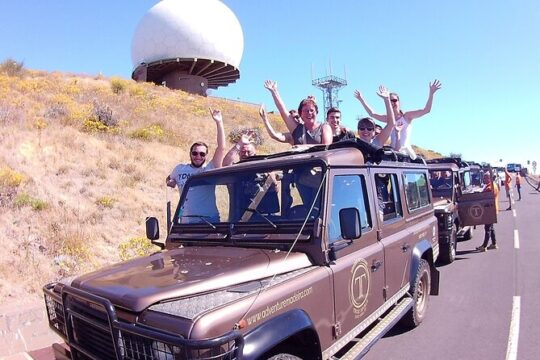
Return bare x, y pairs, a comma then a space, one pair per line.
83, 162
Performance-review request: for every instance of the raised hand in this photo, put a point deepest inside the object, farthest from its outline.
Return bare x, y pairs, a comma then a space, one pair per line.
262, 112
271, 85
434, 86
383, 92
358, 95
216, 115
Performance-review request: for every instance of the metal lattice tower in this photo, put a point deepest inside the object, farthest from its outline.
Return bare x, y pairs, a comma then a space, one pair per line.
330, 86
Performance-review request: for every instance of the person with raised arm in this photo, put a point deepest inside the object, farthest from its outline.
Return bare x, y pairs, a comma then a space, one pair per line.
367, 128
311, 131
198, 154
401, 135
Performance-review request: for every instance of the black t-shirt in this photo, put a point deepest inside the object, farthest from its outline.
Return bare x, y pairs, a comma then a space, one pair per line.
343, 135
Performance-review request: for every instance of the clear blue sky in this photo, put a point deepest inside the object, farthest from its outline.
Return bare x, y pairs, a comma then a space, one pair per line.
485, 53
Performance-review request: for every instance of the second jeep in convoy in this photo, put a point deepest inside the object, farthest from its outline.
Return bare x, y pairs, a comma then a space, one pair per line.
459, 202
310, 254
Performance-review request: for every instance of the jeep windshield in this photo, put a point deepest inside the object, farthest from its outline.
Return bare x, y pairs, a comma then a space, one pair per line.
442, 183
256, 201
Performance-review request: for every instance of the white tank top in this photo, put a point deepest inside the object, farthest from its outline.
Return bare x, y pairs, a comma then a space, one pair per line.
403, 127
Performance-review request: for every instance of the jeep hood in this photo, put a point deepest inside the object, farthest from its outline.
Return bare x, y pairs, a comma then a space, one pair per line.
139, 283
442, 205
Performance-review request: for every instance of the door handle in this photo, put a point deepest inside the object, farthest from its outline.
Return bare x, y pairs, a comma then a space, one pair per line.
376, 265
405, 247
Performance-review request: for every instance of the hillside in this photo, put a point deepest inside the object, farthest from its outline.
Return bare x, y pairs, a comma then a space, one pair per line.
83, 162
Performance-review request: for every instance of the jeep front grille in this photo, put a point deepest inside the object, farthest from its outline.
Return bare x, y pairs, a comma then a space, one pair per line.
93, 332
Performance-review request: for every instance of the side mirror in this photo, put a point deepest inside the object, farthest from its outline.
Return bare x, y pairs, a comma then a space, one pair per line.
349, 222
152, 231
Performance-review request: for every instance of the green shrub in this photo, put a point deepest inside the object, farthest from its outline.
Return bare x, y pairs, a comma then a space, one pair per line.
148, 133
11, 67
118, 85
23, 199
106, 202
135, 247
10, 177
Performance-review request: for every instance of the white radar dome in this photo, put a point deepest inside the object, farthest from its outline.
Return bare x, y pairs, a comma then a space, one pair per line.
199, 29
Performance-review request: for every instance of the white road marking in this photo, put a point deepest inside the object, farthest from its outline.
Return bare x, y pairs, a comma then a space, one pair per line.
516, 239
514, 213
513, 336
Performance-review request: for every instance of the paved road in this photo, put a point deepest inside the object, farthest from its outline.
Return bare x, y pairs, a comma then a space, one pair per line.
488, 303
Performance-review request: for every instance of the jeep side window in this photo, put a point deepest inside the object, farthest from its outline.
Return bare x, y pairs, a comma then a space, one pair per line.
466, 178
416, 190
388, 196
348, 191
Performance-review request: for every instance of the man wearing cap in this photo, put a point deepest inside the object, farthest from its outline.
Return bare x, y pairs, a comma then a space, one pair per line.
367, 127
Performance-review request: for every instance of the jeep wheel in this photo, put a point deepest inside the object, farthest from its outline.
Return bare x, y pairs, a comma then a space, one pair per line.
420, 292
468, 234
284, 357
448, 251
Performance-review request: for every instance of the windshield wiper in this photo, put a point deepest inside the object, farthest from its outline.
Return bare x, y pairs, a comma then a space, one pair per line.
262, 215
202, 217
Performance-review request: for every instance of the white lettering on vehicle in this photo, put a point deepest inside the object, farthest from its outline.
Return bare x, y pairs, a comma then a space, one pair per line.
279, 305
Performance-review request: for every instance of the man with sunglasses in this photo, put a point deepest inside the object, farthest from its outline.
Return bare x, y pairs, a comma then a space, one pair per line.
198, 153
366, 126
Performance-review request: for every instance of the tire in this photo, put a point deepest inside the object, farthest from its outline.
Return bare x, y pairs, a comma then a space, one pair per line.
420, 293
448, 251
468, 234
284, 357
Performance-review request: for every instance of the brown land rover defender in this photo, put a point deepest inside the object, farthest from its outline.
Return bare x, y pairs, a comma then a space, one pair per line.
459, 202
309, 254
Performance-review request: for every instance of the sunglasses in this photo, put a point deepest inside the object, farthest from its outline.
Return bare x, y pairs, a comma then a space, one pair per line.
365, 128
200, 153
394, 100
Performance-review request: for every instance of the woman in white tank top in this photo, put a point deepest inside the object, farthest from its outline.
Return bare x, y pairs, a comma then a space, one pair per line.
401, 134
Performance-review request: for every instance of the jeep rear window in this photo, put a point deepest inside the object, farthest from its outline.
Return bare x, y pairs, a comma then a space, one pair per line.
265, 196
416, 190
348, 191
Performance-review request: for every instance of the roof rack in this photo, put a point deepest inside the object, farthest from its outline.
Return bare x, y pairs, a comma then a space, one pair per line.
445, 160
372, 153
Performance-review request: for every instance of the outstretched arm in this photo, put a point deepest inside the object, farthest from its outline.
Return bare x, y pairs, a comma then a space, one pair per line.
358, 95
289, 121
219, 154
234, 153
390, 116
433, 87
281, 137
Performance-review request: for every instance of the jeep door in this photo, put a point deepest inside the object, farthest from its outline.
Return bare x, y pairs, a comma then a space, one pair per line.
477, 208
358, 266
394, 234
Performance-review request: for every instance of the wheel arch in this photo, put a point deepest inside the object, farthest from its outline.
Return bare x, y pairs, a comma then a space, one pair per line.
279, 330
423, 250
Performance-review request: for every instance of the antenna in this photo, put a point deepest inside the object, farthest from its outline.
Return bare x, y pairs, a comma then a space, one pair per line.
330, 86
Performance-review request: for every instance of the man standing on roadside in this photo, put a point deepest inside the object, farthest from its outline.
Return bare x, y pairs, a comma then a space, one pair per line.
518, 185
491, 186
507, 187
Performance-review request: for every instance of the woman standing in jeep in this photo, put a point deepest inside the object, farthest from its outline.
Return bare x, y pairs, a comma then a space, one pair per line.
400, 137
311, 131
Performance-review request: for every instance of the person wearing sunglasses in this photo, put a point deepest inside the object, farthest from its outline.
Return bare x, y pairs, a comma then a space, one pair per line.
244, 148
367, 130
198, 154
310, 131
400, 137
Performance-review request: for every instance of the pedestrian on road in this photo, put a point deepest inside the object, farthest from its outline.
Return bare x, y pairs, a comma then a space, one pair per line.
489, 229
507, 187
518, 185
